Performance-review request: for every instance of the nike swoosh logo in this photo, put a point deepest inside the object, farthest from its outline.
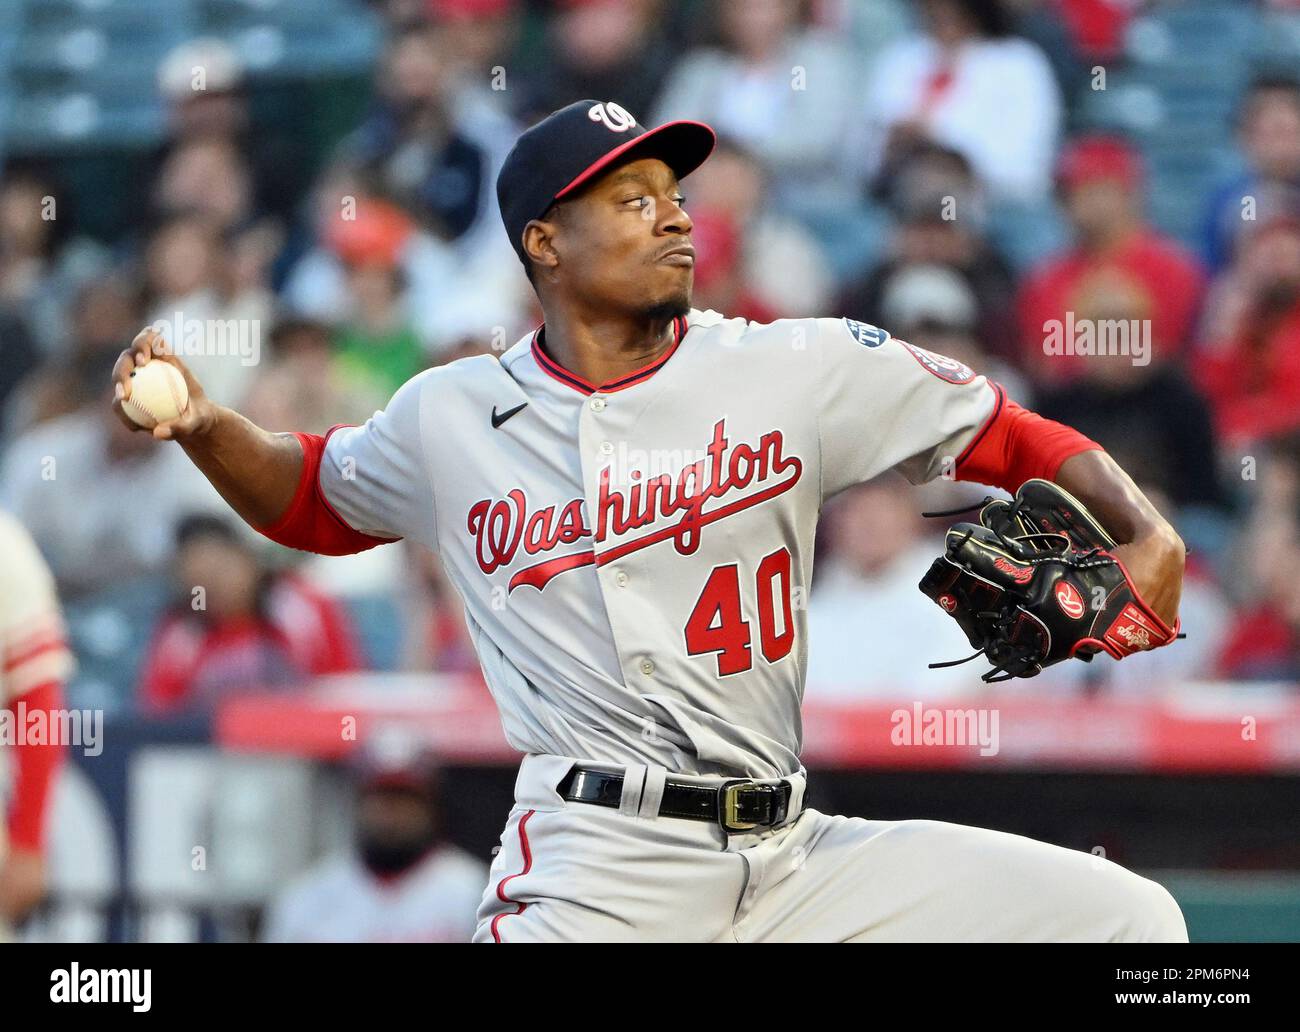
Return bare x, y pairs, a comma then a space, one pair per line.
498, 420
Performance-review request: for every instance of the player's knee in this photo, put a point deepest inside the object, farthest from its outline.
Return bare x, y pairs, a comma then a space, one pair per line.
1153, 915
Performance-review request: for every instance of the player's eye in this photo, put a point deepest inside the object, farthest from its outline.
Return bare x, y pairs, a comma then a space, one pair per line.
681, 201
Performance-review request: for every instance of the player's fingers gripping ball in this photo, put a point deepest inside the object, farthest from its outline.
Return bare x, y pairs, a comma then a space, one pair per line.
1036, 583
158, 395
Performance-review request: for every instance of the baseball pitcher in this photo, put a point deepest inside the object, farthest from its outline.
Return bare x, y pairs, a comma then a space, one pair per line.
627, 502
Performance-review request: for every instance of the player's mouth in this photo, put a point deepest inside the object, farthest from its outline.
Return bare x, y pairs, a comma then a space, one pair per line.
682, 254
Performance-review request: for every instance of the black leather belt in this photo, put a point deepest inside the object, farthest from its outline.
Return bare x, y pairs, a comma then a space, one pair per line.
735, 806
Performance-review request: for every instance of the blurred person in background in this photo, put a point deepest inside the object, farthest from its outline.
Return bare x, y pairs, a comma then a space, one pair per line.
448, 296
1268, 133
785, 90
600, 48
940, 215
1100, 181
72, 479
1142, 408
481, 36
1249, 365
412, 148
35, 663
934, 307
101, 312
967, 83
752, 261
188, 287
436, 636
237, 625
402, 881
302, 386
376, 345
864, 607
203, 87
42, 262
1263, 642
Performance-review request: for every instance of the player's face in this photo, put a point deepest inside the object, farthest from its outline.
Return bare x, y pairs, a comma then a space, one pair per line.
625, 242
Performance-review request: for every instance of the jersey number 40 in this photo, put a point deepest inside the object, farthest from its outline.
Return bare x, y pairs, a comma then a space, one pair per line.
717, 623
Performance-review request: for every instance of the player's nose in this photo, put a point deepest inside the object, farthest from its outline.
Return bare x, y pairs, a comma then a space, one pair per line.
675, 219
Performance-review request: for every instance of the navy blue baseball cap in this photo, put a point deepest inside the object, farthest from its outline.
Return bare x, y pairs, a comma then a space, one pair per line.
570, 147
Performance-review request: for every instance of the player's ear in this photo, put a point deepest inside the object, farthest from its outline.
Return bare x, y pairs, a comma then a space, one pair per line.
539, 242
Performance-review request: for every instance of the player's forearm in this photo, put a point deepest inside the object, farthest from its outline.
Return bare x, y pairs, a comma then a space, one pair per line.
1097, 480
254, 470
1150, 548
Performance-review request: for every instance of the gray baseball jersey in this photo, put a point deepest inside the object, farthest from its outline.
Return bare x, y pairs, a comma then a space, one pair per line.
634, 556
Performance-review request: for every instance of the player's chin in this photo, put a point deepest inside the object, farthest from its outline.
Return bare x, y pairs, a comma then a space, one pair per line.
672, 300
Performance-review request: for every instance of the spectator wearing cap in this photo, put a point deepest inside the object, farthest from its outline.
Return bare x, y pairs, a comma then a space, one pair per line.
934, 307
1268, 133
1249, 364
449, 297
203, 84
377, 346
401, 881
237, 626
967, 83
940, 216
1100, 185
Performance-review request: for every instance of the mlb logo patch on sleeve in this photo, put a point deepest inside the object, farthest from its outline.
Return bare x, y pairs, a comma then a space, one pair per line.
866, 334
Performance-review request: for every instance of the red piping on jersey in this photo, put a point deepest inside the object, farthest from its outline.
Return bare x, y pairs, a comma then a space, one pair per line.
501, 885
558, 372
40, 648
1000, 399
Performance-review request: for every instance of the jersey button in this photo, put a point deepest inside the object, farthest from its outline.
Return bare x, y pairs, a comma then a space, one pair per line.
597, 404
620, 578
647, 667
606, 447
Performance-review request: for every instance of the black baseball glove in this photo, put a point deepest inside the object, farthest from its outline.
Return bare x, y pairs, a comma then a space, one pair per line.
1036, 582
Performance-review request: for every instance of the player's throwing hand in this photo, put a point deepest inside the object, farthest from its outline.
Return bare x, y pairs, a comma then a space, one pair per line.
148, 346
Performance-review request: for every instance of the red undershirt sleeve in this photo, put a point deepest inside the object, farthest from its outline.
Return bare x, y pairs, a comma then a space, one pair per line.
311, 523
1016, 445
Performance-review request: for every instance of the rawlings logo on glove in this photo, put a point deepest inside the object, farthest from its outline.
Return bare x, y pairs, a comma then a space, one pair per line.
1036, 582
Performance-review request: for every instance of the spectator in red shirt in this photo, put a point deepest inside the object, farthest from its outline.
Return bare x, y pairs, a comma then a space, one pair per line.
238, 626
1250, 369
1100, 184
1264, 641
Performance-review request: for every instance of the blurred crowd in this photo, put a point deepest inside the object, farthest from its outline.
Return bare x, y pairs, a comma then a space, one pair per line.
922, 166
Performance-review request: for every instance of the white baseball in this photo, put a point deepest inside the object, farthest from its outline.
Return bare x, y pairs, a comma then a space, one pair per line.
158, 394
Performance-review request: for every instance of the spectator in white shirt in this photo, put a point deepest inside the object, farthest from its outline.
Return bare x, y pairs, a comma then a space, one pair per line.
969, 85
